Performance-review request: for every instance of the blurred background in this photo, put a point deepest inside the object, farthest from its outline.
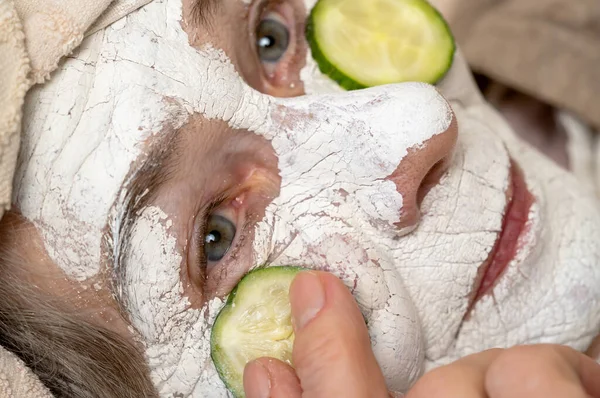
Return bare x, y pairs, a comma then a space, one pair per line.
538, 62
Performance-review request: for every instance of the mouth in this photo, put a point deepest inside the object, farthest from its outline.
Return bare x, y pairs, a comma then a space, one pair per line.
514, 225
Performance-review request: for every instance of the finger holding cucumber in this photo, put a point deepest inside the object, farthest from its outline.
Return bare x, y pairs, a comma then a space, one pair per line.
328, 339
255, 322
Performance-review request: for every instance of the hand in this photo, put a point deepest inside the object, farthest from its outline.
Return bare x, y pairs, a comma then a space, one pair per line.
537, 371
333, 358
332, 352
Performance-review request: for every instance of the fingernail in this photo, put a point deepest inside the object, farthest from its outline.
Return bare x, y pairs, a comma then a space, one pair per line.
257, 381
308, 298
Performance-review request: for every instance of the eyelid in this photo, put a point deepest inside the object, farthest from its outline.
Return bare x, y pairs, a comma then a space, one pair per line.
274, 16
267, 7
261, 6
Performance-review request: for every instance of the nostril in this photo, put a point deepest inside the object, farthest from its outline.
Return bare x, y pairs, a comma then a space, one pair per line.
431, 179
420, 171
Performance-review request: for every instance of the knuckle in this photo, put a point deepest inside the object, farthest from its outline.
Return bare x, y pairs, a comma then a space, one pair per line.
434, 383
534, 354
522, 362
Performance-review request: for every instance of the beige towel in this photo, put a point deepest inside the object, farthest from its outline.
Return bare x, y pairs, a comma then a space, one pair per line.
546, 48
54, 28
34, 36
14, 69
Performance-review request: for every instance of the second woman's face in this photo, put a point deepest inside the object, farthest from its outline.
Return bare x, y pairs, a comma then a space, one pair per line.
164, 153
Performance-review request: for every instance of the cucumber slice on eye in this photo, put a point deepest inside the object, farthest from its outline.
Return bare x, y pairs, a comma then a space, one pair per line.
255, 322
366, 43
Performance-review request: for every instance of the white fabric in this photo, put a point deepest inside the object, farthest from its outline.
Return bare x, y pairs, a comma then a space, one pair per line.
14, 68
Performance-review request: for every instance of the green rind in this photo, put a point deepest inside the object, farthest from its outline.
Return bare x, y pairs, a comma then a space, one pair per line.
326, 67
217, 355
348, 83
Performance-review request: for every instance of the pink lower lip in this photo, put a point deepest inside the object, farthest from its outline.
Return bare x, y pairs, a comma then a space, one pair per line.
513, 226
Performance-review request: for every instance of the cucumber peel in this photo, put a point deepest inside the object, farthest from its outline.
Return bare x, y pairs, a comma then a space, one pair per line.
366, 43
255, 322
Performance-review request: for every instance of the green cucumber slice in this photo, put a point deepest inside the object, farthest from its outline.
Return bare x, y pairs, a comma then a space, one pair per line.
255, 322
366, 43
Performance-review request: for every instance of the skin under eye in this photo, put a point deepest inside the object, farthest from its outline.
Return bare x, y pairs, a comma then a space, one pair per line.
218, 238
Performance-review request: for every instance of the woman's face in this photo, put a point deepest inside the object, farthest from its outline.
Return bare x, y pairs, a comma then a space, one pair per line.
163, 162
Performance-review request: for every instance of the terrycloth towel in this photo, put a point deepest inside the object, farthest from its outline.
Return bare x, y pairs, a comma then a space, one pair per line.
549, 49
34, 36
14, 69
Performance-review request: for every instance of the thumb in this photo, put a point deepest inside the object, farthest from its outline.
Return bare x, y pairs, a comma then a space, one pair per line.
332, 352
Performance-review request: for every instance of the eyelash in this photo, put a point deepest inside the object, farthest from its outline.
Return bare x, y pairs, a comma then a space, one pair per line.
201, 232
264, 7
238, 240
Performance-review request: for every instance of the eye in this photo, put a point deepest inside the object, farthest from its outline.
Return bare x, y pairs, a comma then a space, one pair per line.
218, 238
276, 48
272, 39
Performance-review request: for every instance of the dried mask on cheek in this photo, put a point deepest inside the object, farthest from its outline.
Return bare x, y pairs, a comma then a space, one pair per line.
175, 336
337, 211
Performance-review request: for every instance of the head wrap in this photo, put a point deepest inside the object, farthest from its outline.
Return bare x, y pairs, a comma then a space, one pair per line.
34, 36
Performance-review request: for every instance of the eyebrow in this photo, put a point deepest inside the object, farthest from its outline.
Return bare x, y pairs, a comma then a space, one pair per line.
203, 11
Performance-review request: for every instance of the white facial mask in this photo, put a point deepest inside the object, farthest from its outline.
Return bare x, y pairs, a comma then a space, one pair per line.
336, 211
130, 90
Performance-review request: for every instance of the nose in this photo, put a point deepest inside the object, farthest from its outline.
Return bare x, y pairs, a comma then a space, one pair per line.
420, 170
359, 141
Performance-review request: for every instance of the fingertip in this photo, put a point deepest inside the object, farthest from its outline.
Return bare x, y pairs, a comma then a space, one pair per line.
312, 291
257, 381
332, 342
272, 377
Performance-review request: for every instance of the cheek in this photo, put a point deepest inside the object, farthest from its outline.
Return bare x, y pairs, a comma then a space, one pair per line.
151, 283
330, 244
176, 337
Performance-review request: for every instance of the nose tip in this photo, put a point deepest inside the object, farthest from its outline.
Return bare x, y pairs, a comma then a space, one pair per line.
420, 170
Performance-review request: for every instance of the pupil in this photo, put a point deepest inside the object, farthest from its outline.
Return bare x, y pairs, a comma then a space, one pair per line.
272, 40
212, 237
266, 41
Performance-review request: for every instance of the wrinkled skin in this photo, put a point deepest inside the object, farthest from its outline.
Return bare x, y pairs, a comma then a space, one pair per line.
398, 193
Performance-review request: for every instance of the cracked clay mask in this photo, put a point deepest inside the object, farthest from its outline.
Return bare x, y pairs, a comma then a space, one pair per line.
351, 167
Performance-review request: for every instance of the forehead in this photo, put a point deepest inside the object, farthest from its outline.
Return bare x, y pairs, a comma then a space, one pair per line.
89, 125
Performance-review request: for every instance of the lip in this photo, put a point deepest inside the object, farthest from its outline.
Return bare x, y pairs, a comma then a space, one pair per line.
514, 225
